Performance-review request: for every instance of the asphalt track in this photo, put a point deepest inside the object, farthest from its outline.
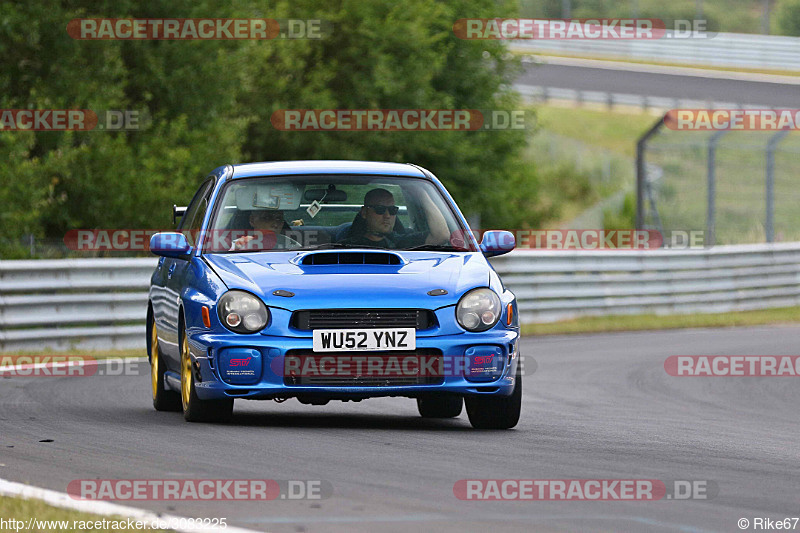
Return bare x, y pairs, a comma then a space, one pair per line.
597, 407
681, 86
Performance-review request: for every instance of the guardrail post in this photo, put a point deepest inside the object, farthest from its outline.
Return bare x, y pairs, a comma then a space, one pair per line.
772, 144
712, 188
641, 172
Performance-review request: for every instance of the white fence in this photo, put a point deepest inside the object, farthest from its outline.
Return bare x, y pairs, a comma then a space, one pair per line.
101, 303
722, 50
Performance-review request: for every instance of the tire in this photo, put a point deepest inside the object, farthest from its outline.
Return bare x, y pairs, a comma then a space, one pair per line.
195, 409
501, 412
163, 398
440, 406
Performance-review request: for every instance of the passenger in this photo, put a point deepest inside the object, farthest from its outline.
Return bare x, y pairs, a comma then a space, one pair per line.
270, 227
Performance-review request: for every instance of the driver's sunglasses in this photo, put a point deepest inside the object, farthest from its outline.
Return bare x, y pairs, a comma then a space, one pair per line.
381, 209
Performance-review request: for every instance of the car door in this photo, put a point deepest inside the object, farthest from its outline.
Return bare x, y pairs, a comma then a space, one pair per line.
175, 269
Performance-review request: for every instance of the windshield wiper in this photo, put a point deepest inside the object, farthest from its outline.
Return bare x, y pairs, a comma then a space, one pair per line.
436, 248
336, 245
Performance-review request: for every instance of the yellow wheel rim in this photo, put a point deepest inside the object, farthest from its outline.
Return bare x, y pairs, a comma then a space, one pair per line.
186, 372
154, 359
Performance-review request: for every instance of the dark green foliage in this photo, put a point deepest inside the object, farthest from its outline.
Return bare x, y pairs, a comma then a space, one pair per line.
210, 103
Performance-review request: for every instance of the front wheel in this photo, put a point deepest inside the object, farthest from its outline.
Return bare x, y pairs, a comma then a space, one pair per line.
195, 409
496, 412
163, 398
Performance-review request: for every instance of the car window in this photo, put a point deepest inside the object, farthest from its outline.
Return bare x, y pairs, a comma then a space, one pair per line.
328, 210
193, 218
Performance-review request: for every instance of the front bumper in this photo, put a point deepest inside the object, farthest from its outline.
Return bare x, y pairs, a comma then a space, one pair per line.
211, 361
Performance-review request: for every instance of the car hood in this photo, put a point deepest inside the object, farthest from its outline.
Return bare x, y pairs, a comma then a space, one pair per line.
404, 285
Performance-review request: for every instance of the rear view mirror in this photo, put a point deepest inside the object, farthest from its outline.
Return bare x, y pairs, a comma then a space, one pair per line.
312, 195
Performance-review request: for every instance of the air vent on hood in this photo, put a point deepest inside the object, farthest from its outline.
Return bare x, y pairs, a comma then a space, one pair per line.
351, 258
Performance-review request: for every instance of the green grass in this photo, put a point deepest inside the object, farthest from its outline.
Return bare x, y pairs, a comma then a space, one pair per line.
786, 315
587, 138
613, 131
23, 510
740, 178
583, 156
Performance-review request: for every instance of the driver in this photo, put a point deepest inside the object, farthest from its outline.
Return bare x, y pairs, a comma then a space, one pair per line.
376, 224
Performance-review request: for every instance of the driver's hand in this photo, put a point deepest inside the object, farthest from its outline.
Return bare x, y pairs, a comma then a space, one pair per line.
241, 242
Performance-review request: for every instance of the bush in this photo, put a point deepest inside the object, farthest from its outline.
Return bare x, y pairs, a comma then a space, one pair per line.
210, 103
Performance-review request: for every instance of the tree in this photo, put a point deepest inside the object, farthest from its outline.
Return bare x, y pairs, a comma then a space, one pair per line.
209, 103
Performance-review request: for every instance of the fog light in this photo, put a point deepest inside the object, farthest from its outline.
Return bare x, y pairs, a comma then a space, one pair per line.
484, 363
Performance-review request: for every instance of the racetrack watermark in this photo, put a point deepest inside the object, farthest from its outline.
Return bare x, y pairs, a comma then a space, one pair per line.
583, 489
579, 29
37, 366
733, 365
72, 120
198, 489
400, 119
732, 119
585, 239
489, 363
138, 240
192, 29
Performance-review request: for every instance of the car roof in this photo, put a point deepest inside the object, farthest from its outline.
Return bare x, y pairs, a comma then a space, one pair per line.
279, 168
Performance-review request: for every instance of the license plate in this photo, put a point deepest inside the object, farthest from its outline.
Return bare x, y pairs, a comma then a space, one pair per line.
349, 340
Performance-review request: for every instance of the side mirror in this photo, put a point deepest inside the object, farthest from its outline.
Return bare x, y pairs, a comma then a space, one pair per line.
170, 244
496, 242
177, 212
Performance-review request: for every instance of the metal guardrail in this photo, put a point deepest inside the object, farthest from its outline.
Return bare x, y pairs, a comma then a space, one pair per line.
721, 50
555, 285
73, 303
101, 303
611, 100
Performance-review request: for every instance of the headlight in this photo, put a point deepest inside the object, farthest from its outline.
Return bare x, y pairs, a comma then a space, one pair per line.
242, 312
478, 310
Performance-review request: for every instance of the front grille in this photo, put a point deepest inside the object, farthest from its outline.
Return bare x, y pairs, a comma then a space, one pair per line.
363, 318
366, 380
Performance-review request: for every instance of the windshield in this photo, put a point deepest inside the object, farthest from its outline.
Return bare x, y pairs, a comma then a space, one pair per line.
330, 211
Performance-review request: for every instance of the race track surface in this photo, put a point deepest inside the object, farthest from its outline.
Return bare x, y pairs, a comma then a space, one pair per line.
742, 92
597, 407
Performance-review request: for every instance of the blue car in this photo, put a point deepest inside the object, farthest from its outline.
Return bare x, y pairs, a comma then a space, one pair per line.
331, 280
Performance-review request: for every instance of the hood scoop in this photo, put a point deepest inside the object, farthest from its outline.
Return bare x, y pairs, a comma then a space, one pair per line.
351, 258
